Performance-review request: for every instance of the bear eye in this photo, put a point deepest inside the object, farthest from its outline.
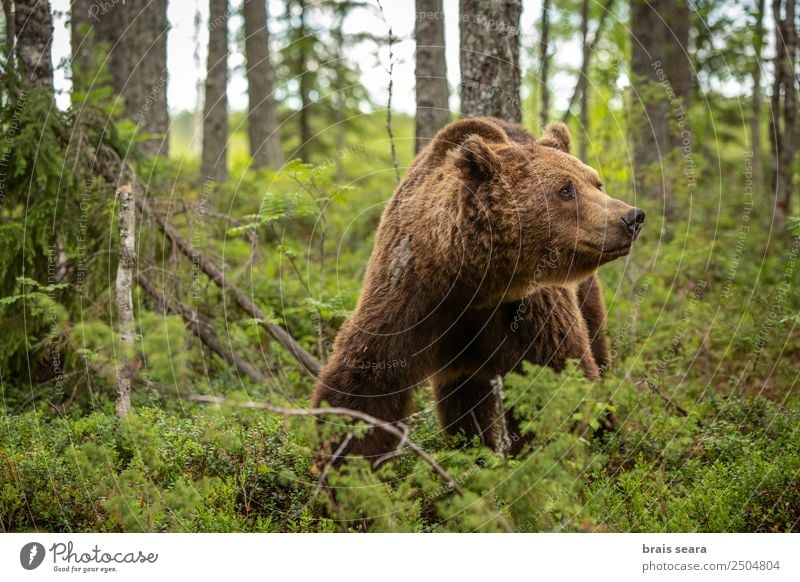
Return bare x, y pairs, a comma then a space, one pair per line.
567, 192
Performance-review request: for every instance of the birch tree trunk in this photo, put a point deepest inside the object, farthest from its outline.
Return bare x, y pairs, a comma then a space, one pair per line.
126, 327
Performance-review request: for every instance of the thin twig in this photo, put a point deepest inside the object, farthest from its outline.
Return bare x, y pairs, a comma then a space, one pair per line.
390, 70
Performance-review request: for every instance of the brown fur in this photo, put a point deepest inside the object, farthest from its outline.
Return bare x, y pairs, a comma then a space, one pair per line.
479, 264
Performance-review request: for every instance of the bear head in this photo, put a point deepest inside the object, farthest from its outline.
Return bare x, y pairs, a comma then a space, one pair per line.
540, 213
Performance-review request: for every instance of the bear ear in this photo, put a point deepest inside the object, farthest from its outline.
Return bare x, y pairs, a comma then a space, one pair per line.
453, 136
475, 160
556, 135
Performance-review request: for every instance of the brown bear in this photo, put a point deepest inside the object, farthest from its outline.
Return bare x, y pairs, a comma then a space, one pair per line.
485, 257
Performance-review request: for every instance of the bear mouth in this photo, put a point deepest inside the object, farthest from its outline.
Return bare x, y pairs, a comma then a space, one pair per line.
610, 252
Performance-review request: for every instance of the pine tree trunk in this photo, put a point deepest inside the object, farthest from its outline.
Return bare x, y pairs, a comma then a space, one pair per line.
490, 75
544, 63
650, 115
676, 60
262, 120
214, 165
303, 117
144, 46
775, 99
789, 137
755, 119
33, 25
433, 94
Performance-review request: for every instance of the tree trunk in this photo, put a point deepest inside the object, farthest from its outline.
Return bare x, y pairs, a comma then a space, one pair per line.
214, 164
126, 327
676, 60
340, 99
775, 98
141, 68
82, 40
8, 14
33, 25
305, 99
544, 62
650, 118
490, 75
583, 78
788, 134
755, 120
262, 120
430, 73
584, 116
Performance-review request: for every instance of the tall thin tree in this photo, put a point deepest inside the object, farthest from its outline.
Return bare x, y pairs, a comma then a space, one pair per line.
262, 119
584, 116
214, 163
430, 72
755, 117
544, 64
489, 55
784, 107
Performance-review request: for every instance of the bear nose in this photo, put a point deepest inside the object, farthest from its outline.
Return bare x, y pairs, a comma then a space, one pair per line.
633, 220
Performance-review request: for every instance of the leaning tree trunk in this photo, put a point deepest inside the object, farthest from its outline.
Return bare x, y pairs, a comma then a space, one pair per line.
33, 26
490, 75
430, 72
214, 164
262, 120
544, 62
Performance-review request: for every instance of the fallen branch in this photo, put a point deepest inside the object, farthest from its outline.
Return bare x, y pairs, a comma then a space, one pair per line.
283, 337
189, 315
398, 430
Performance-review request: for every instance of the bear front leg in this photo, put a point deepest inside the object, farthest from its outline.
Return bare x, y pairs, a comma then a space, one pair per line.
356, 386
467, 405
593, 309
